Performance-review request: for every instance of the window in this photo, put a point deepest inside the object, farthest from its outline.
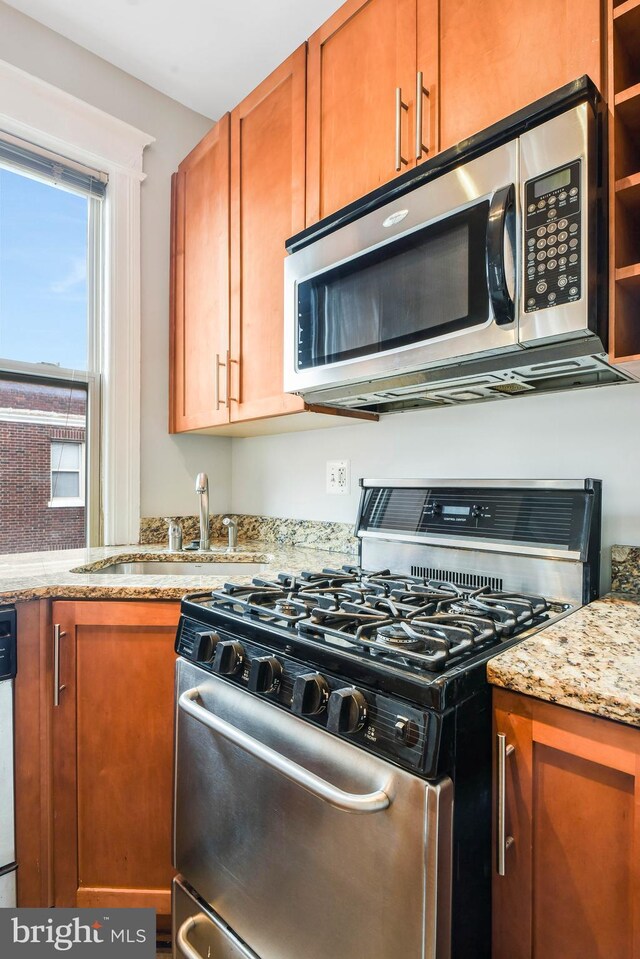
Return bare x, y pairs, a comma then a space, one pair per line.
50, 325
67, 469
91, 153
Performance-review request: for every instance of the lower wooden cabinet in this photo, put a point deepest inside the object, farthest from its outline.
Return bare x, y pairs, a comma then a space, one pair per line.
571, 888
94, 771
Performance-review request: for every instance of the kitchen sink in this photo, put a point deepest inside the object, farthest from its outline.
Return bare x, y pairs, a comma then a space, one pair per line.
159, 568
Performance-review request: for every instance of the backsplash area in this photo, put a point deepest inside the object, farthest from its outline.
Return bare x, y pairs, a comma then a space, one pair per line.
317, 534
625, 569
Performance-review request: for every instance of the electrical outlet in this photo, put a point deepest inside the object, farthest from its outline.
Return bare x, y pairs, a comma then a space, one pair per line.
338, 478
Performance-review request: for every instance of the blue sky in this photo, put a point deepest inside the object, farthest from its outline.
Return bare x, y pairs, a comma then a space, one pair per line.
43, 275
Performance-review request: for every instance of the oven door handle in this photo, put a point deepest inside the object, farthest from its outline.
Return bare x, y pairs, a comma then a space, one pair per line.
502, 203
182, 942
349, 802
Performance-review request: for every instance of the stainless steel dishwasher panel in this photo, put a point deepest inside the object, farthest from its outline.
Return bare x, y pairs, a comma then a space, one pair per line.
267, 832
199, 933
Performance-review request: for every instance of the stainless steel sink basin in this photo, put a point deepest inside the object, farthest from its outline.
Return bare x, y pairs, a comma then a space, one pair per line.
159, 568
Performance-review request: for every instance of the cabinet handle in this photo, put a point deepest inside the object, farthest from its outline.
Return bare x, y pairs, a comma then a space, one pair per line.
504, 841
217, 399
231, 399
57, 688
400, 106
421, 92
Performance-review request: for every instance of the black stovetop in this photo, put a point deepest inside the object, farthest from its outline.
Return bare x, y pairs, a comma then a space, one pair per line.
425, 640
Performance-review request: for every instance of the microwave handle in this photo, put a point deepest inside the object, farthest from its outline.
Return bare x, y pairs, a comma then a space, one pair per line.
502, 203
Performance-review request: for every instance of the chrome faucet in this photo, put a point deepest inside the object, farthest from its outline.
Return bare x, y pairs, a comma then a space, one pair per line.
202, 488
232, 527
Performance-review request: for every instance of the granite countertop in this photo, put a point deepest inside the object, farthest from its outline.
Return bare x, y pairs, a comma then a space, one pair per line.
589, 661
71, 573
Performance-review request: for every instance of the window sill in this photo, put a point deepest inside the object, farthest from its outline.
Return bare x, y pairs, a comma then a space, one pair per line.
63, 501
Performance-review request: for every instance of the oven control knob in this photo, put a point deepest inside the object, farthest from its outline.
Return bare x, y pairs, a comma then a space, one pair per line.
406, 731
204, 646
310, 694
264, 674
347, 710
228, 657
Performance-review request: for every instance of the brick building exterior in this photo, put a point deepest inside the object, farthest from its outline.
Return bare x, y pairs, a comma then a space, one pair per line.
32, 416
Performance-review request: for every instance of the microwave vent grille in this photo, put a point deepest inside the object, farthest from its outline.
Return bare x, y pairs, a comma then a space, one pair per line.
511, 388
464, 580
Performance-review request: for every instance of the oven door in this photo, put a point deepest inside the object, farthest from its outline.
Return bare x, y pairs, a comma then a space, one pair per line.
304, 844
425, 280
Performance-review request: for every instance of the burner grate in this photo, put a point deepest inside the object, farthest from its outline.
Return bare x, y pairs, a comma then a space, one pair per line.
470, 580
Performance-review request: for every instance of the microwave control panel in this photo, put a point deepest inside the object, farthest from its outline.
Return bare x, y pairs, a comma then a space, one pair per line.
552, 239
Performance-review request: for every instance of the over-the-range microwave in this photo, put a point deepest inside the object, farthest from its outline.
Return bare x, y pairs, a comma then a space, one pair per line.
480, 274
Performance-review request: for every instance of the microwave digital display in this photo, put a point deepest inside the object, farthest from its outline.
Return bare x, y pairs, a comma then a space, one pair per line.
553, 182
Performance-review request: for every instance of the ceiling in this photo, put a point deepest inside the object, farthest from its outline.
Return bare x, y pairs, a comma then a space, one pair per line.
204, 53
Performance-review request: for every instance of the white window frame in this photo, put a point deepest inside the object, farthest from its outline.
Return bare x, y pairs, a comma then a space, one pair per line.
57, 502
55, 120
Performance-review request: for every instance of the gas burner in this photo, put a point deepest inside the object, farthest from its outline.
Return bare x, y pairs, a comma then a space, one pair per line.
396, 637
525, 607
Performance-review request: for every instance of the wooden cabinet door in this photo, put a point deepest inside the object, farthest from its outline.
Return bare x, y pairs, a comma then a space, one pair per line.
113, 754
571, 888
267, 207
427, 121
199, 337
500, 55
357, 60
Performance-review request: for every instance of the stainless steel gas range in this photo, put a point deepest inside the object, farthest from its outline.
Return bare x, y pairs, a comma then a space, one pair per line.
333, 728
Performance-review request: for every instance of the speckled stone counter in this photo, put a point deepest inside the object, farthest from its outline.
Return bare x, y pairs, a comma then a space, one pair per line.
589, 661
315, 534
72, 574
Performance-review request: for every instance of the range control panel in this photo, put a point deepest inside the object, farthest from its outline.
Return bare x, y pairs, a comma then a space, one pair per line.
379, 723
553, 239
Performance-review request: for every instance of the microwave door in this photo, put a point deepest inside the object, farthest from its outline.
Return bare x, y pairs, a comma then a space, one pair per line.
424, 281
436, 284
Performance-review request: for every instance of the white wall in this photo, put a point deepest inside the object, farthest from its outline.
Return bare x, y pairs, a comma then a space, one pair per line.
592, 433
168, 463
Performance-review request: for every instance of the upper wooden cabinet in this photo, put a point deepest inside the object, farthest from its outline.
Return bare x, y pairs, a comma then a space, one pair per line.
267, 207
199, 340
361, 61
500, 55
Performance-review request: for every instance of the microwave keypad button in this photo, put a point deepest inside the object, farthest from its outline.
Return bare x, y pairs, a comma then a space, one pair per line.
541, 204
552, 213
552, 264
552, 227
562, 261
562, 248
541, 288
531, 208
551, 251
573, 291
541, 244
541, 267
541, 255
573, 258
562, 282
562, 196
573, 191
573, 243
541, 231
531, 241
562, 236
552, 201
573, 228
531, 301
551, 297
531, 256
562, 224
